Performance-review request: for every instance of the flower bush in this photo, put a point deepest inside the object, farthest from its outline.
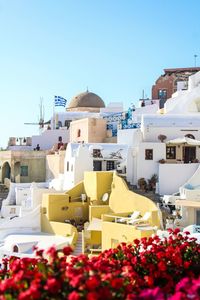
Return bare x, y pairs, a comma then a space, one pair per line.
150, 268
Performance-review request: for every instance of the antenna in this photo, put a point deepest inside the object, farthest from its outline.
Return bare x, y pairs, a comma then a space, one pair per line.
142, 94
41, 108
41, 121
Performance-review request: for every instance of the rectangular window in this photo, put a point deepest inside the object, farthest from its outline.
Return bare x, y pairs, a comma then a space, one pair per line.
67, 165
24, 171
162, 94
171, 152
97, 153
67, 123
97, 166
149, 154
110, 165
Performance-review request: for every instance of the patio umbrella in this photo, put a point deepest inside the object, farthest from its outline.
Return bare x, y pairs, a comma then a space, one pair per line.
184, 140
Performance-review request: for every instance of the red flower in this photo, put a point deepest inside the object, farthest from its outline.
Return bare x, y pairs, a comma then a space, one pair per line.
136, 241
186, 264
152, 294
92, 283
39, 252
176, 230
104, 293
76, 280
26, 295
74, 296
162, 266
187, 232
117, 283
52, 285
92, 296
67, 250
149, 280
126, 270
52, 252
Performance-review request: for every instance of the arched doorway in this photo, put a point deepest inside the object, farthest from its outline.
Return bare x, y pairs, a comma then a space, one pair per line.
17, 172
15, 248
5, 171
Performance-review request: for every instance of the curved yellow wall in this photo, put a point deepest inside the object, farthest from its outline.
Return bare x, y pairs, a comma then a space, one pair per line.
96, 184
123, 200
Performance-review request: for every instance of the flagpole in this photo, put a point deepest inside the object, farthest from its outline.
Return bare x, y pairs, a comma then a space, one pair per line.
58, 101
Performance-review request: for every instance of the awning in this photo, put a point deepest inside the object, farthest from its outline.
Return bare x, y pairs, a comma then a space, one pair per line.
184, 140
188, 203
95, 225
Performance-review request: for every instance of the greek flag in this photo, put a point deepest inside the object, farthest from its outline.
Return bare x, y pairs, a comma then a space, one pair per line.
59, 101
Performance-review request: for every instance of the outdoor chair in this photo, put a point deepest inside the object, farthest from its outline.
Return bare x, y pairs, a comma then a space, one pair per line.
132, 217
142, 220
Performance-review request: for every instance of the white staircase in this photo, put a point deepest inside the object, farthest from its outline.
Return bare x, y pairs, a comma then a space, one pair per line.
78, 248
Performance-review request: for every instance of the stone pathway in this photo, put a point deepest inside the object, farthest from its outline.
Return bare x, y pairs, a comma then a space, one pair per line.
149, 194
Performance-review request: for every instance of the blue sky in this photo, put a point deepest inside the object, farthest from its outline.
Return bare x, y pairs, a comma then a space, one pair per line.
116, 48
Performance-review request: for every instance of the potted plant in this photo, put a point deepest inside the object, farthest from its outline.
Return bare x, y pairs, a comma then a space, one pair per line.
162, 161
152, 182
142, 184
162, 137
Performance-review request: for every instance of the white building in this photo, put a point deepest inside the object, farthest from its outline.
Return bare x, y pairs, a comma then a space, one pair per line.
187, 200
153, 140
83, 105
92, 157
21, 225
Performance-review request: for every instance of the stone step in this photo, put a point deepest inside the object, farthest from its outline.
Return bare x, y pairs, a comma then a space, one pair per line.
78, 248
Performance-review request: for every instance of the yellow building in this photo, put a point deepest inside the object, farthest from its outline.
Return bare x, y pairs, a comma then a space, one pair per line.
103, 202
23, 166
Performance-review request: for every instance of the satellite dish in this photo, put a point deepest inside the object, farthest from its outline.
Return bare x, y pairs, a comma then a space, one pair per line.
105, 197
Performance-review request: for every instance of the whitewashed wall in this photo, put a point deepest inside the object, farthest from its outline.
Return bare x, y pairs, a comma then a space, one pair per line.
152, 133
131, 137
146, 168
28, 223
173, 176
50, 137
131, 164
80, 160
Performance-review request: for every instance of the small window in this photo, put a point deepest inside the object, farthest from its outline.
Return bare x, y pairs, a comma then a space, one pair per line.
149, 154
110, 165
24, 171
97, 153
15, 249
59, 124
162, 94
67, 123
67, 165
171, 152
78, 133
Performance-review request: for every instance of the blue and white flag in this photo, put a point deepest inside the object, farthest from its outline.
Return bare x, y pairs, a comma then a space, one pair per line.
59, 101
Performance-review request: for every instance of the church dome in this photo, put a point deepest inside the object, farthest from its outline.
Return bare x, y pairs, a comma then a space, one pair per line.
85, 101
